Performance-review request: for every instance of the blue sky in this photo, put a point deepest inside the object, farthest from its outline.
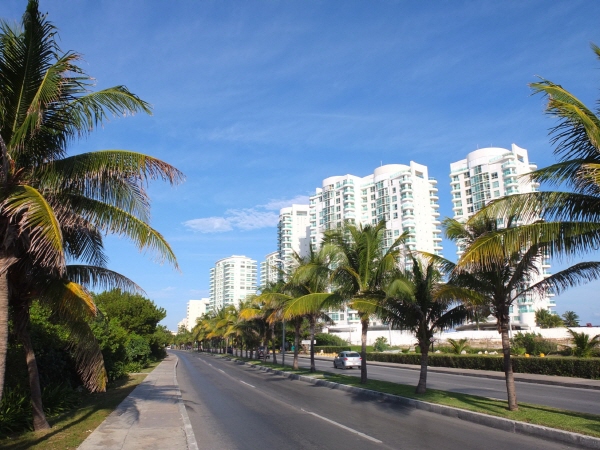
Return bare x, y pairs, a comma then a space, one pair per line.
258, 101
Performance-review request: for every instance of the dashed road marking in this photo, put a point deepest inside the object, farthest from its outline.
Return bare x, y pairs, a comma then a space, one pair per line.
366, 436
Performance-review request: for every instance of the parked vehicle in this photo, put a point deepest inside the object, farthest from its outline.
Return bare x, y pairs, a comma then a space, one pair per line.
347, 360
230, 350
262, 351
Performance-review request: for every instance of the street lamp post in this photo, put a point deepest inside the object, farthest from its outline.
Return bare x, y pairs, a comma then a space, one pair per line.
283, 345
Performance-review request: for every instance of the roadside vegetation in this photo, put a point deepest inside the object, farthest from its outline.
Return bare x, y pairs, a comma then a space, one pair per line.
56, 336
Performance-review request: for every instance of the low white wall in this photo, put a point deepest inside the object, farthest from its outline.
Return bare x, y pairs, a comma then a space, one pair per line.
483, 337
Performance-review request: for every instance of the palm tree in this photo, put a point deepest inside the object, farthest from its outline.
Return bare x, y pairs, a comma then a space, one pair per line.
309, 296
546, 319
413, 304
570, 319
500, 281
363, 269
564, 222
584, 346
53, 207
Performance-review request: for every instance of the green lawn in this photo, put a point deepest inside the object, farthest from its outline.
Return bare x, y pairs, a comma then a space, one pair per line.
588, 424
71, 429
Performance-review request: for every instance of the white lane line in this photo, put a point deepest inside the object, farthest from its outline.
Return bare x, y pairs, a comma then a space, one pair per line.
247, 384
366, 436
221, 370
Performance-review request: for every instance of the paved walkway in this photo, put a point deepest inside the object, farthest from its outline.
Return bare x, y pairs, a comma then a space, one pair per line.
151, 417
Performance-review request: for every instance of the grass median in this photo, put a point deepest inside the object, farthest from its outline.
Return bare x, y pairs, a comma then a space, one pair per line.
588, 424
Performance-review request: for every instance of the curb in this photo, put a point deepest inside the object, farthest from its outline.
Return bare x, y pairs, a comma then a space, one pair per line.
500, 423
187, 426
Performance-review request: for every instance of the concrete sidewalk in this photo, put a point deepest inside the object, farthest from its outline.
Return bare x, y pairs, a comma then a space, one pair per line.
151, 417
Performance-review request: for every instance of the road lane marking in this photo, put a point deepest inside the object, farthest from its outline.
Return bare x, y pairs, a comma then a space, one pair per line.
220, 370
247, 384
366, 436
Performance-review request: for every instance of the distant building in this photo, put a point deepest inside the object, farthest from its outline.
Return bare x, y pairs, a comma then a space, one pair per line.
270, 269
195, 309
182, 324
490, 173
232, 280
402, 195
293, 236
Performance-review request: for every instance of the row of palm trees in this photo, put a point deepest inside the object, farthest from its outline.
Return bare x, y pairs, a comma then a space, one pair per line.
419, 292
503, 246
56, 209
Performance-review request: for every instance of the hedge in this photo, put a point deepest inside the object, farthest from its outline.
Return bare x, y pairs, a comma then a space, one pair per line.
331, 348
560, 366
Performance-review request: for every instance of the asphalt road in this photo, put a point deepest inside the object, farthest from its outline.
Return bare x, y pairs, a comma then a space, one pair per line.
568, 398
235, 406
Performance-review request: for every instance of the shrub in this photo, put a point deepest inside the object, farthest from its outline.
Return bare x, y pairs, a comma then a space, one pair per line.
534, 344
327, 339
15, 410
560, 366
380, 344
458, 345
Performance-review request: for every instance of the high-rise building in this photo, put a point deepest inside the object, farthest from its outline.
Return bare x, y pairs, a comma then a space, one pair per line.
484, 175
195, 309
231, 281
270, 269
293, 235
402, 195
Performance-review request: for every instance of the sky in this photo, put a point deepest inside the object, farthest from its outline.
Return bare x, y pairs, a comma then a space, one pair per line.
258, 101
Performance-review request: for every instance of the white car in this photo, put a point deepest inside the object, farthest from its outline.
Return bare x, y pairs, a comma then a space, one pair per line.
347, 360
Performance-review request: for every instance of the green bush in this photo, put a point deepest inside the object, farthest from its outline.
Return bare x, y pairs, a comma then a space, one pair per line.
560, 366
331, 340
15, 410
380, 344
534, 344
331, 348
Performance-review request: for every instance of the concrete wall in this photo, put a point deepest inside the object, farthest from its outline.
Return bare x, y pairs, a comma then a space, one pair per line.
482, 338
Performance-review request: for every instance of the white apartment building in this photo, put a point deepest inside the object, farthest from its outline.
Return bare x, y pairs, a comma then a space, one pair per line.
195, 309
404, 195
486, 174
231, 281
293, 235
270, 269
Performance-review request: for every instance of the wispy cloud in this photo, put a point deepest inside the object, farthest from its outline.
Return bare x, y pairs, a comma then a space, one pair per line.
260, 216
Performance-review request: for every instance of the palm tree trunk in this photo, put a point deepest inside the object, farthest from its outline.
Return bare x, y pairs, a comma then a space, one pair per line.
297, 324
273, 343
422, 386
22, 325
508, 370
312, 347
363, 350
3, 327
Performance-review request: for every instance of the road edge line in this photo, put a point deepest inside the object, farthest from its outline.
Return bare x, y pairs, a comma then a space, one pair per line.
187, 425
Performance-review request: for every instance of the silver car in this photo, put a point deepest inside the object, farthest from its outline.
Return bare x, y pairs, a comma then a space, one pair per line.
347, 360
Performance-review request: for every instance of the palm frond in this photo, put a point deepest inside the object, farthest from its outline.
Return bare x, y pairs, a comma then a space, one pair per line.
29, 210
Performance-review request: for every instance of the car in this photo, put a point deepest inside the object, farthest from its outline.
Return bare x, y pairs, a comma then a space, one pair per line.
347, 360
261, 352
